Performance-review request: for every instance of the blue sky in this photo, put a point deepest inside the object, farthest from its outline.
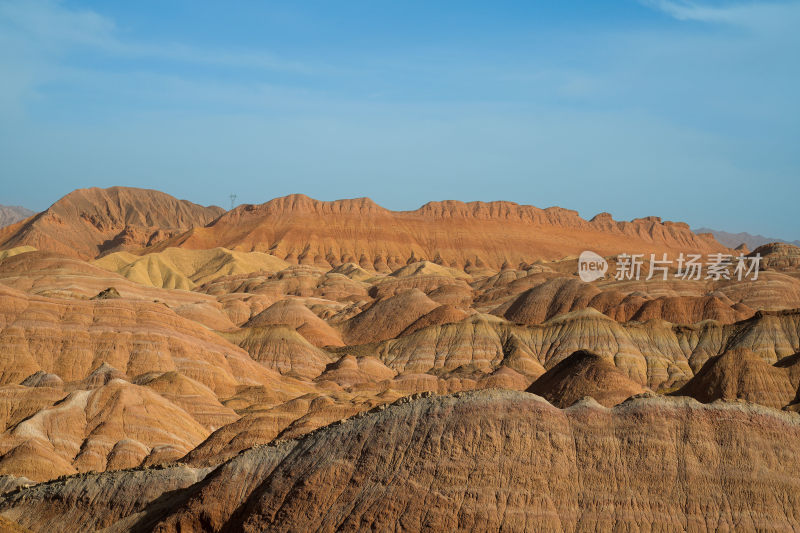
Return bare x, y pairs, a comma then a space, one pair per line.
689, 111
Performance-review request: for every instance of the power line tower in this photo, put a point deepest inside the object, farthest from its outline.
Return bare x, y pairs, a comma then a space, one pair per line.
233, 200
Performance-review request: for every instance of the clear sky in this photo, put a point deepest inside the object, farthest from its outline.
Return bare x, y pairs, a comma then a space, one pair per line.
685, 110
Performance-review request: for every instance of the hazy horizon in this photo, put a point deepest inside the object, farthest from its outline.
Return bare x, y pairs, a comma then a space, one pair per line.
682, 110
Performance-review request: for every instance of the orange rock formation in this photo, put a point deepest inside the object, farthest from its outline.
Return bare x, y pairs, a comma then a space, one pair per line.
164, 344
457, 234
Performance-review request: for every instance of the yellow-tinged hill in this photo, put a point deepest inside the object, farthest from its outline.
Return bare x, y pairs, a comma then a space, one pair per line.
16, 251
176, 268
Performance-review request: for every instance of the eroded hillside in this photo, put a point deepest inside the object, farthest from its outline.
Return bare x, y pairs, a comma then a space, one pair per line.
204, 363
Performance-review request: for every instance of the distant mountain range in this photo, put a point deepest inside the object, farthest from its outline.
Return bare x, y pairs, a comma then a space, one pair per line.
13, 213
89, 223
732, 240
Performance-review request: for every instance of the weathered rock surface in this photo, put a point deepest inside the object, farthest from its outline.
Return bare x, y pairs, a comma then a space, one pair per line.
196, 399
50, 274
778, 255
486, 461
295, 315
117, 425
71, 338
585, 374
177, 349
114, 496
450, 233
175, 268
88, 222
562, 295
387, 318
11, 252
741, 374
281, 348
655, 354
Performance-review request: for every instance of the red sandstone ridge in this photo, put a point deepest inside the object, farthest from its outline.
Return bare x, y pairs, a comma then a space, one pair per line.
463, 235
89, 222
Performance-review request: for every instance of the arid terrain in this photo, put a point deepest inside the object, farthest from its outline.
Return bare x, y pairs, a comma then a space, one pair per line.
303, 365
11, 214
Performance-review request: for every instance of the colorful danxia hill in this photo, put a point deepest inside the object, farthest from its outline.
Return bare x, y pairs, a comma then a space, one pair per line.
303, 365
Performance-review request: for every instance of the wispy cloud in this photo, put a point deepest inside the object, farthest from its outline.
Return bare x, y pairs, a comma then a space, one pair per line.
51, 23
769, 16
40, 38
52, 27
705, 96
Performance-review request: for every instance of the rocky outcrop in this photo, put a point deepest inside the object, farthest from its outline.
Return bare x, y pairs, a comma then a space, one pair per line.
142, 488
196, 399
295, 315
281, 348
655, 353
778, 256
387, 318
741, 374
563, 295
585, 374
72, 338
89, 222
489, 461
117, 425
